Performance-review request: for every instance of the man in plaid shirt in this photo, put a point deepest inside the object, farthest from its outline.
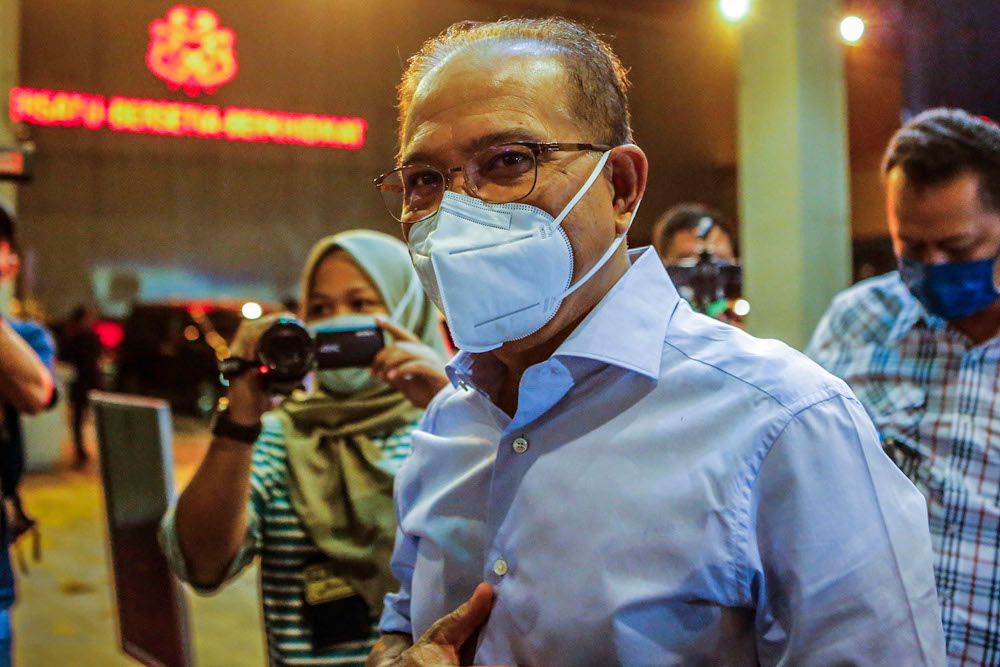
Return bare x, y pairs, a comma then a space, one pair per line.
920, 348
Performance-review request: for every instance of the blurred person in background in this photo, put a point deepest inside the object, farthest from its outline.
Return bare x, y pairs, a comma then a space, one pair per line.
27, 355
308, 486
612, 478
695, 244
81, 348
920, 347
677, 235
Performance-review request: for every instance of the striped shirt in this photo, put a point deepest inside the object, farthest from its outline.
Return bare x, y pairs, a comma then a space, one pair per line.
276, 534
935, 398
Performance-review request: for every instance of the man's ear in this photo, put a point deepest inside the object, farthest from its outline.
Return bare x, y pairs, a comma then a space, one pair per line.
629, 169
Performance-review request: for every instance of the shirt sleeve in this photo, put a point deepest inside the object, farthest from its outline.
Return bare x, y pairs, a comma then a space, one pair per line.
262, 477
170, 545
396, 613
844, 571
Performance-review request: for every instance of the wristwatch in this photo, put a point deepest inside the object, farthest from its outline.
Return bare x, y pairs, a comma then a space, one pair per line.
224, 427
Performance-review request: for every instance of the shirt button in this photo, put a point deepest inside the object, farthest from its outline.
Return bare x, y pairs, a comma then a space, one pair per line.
500, 567
520, 445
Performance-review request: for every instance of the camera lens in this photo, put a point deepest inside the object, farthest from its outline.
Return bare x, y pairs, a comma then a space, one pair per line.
287, 350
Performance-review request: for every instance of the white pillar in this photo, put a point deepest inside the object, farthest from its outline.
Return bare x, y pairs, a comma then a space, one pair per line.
793, 165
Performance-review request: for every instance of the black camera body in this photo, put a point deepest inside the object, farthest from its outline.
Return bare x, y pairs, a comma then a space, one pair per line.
708, 281
287, 351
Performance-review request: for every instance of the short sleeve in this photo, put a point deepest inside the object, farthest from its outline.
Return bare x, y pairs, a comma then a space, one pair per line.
844, 571
262, 478
40, 340
170, 545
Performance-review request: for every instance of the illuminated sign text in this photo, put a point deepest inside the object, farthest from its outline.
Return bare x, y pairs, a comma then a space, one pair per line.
190, 50
183, 119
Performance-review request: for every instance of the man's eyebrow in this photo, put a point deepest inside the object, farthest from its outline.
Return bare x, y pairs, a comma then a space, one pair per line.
954, 239
485, 141
504, 137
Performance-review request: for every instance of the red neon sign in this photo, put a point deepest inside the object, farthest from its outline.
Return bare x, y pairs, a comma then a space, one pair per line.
190, 50
184, 119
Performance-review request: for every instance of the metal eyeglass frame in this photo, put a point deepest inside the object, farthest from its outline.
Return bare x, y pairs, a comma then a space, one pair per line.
537, 148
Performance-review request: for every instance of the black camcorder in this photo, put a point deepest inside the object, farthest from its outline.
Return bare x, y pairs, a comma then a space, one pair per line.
709, 285
707, 282
287, 352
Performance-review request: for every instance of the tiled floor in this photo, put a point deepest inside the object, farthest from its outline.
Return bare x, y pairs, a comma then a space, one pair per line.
64, 614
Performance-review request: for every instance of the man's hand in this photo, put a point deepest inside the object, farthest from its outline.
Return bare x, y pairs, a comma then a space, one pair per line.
442, 643
414, 369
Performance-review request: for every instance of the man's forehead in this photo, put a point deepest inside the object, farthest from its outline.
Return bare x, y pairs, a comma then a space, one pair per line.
507, 63
479, 96
903, 193
937, 212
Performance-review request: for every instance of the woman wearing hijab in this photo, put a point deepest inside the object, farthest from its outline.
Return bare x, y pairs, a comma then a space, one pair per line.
310, 492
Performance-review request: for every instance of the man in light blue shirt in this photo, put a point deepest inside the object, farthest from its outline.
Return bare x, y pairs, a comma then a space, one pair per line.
612, 478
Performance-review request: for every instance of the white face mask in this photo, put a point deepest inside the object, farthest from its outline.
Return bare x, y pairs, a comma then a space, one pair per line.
498, 272
345, 381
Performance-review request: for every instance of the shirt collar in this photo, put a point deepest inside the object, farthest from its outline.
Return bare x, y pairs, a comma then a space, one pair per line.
626, 328
911, 313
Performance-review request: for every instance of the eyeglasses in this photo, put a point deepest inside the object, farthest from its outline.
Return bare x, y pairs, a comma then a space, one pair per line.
498, 174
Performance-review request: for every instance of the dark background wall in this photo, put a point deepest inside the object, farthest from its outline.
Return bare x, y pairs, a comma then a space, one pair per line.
241, 217
951, 50
247, 213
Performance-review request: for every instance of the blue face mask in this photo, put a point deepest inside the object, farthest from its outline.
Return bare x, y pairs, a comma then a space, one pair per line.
952, 289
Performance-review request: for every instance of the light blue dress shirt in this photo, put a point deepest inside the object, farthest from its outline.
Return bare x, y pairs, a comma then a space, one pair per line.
671, 491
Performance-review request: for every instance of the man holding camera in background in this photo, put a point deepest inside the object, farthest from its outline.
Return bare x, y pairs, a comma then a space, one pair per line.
684, 231
697, 248
307, 486
920, 348
27, 355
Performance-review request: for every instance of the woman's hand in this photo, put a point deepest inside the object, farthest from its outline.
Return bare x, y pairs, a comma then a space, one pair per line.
414, 369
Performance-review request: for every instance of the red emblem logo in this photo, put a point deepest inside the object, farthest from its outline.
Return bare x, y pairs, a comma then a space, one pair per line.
190, 50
